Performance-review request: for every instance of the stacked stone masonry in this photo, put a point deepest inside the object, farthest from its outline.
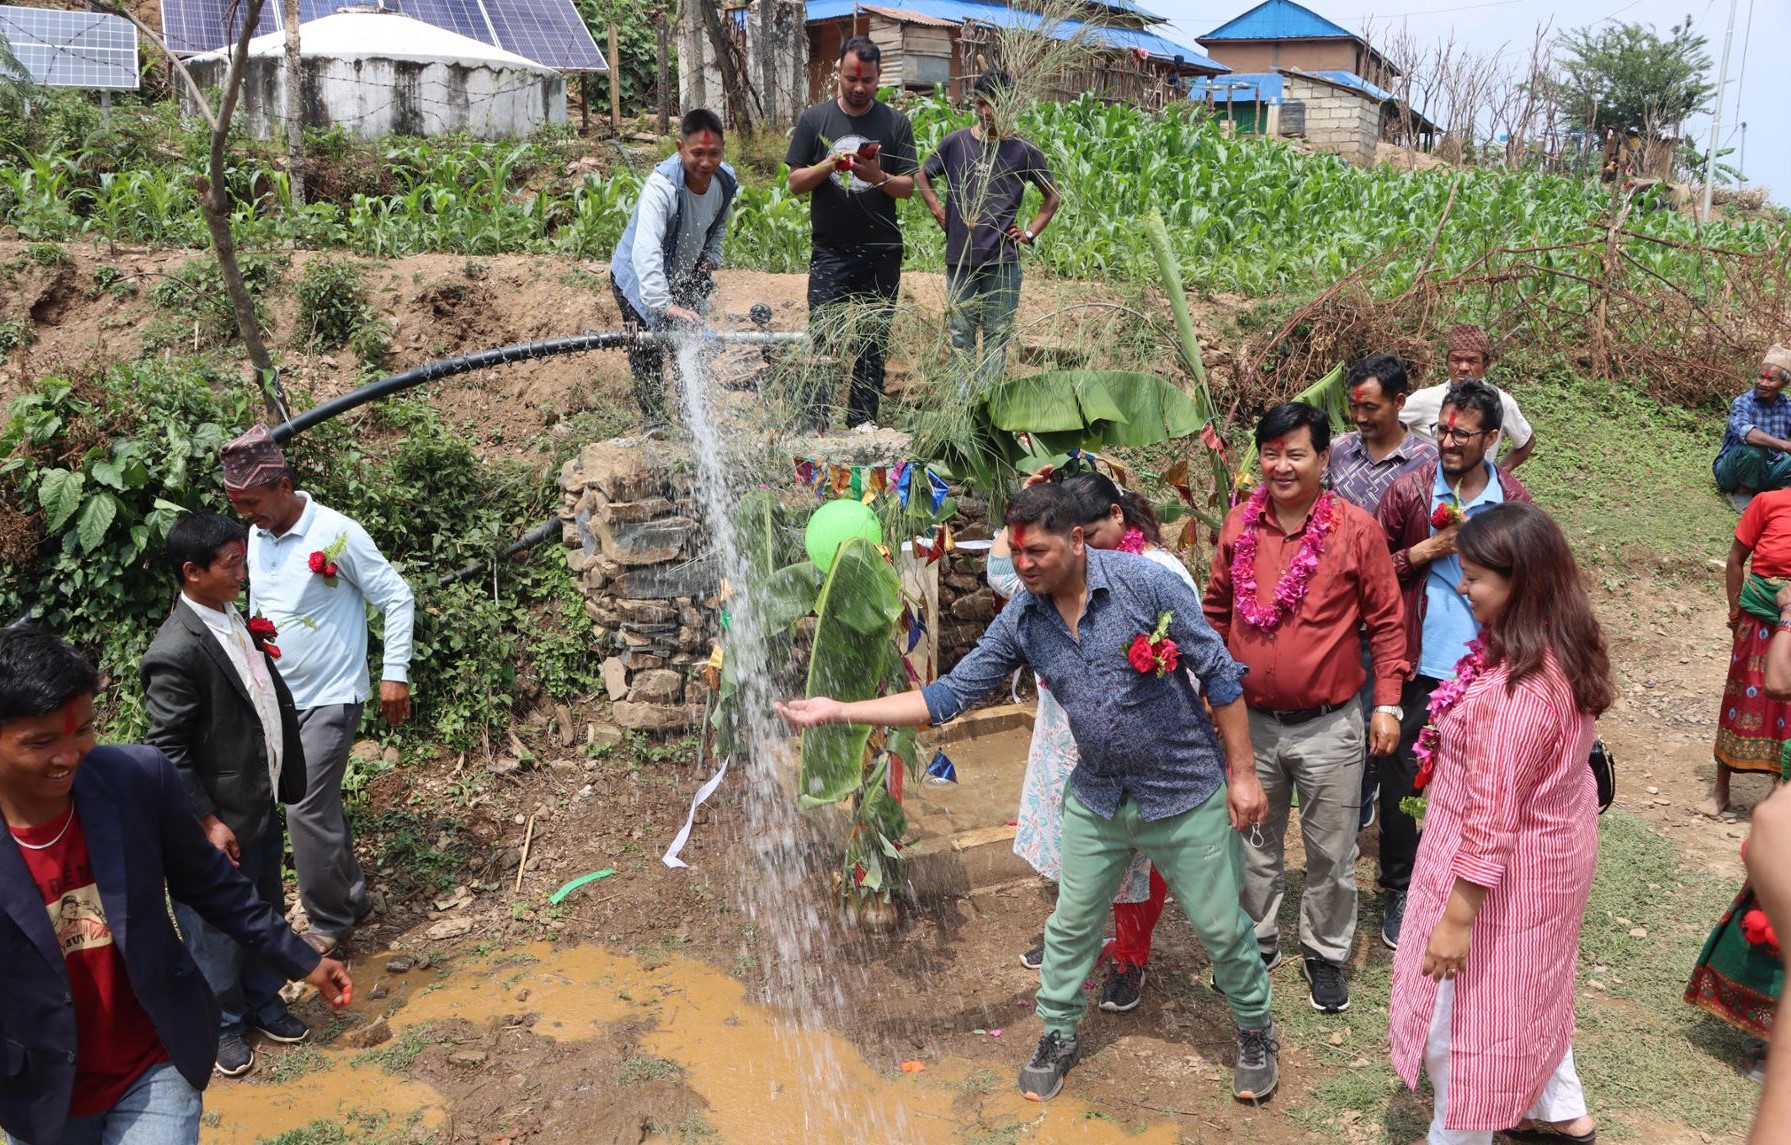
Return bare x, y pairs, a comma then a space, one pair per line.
650, 578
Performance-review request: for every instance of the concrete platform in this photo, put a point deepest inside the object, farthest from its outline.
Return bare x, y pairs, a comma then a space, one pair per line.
964, 838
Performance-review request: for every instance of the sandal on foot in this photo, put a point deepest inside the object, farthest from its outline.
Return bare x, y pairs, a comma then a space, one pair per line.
1542, 1133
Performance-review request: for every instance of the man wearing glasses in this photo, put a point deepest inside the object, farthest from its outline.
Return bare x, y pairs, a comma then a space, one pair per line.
1756, 452
1421, 515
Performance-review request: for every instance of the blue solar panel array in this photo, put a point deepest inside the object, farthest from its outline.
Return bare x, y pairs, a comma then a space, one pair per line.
72, 49
549, 32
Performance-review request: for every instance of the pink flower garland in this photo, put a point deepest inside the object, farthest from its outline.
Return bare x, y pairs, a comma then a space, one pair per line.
1298, 577
1442, 702
1133, 541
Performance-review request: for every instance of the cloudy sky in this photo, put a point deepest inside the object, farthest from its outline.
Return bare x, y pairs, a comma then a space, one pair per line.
1758, 93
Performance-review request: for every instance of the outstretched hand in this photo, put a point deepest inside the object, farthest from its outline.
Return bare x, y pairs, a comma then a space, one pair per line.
332, 981
811, 713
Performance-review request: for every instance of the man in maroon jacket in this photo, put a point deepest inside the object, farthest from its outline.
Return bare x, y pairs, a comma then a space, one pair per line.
1421, 515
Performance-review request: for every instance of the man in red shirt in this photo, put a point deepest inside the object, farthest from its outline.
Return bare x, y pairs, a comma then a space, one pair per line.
1299, 572
107, 1029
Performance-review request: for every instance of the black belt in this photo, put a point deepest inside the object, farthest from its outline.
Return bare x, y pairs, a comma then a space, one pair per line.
1301, 715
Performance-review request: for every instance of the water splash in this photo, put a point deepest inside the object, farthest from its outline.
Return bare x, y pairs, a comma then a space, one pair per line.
785, 893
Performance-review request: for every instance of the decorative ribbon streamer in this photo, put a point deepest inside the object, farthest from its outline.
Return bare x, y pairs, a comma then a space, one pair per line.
670, 858
941, 769
939, 488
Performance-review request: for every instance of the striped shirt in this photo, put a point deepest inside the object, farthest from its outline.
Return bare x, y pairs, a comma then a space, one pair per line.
1514, 809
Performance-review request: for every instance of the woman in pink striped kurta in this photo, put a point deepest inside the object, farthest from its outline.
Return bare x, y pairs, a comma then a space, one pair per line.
1483, 1000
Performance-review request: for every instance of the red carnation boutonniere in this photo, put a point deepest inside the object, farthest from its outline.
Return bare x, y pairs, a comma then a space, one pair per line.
1758, 931
323, 561
1449, 512
263, 633
1154, 652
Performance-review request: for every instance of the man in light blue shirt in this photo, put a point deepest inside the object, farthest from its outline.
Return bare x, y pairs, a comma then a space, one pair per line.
313, 572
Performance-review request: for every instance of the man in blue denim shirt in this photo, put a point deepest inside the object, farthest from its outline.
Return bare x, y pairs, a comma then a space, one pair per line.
1152, 775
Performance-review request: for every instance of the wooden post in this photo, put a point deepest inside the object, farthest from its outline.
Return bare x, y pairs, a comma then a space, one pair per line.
665, 95
584, 103
615, 83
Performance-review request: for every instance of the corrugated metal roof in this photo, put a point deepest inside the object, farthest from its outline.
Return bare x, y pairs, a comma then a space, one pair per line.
1278, 20
909, 16
1152, 39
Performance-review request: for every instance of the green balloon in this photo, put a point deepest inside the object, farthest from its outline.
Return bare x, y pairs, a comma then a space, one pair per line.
837, 522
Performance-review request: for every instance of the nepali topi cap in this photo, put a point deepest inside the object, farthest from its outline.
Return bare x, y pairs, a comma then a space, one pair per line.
1469, 340
252, 460
1778, 356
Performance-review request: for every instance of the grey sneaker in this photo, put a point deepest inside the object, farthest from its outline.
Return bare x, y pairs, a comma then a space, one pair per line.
1394, 921
234, 1056
1034, 958
1042, 1077
1259, 1063
1122, 990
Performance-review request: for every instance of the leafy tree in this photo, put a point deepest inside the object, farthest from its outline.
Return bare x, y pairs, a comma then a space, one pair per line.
15, 85
1626, 75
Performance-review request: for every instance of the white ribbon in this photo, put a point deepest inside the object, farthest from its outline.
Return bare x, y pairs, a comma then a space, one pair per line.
670, 858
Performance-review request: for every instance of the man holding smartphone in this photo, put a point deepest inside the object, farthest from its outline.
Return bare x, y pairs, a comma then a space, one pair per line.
854, 155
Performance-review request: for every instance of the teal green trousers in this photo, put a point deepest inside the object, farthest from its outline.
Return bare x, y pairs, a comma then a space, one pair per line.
1202, 860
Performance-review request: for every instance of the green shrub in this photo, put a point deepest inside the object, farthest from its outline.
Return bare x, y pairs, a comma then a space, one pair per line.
332, 303
200, 312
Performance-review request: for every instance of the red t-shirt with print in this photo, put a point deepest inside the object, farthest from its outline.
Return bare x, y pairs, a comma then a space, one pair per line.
114, 1038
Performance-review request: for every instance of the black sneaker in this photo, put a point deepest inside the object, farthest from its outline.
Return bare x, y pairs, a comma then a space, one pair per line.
285, 1029
1370, 801
1042, 1077
1122, 990
1259, 1063
1270, 961
1034, 958
1395, 919
1330, 993
234, 1056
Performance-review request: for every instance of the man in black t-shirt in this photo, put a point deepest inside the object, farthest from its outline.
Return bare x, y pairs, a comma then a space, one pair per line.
986, 168
855, 156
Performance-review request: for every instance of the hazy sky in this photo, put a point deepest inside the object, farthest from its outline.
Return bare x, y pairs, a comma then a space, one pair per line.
1761, 93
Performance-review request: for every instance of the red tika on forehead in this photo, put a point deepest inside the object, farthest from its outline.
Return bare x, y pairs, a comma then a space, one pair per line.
1278, 444
1452, 412
71, 719
1361, 391
854, 68
1017, 537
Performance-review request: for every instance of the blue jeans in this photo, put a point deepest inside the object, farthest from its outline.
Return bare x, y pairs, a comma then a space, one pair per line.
983, 298
246, 987
159, 1108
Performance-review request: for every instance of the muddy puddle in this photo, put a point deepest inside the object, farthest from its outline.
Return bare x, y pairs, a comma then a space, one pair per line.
758, 1076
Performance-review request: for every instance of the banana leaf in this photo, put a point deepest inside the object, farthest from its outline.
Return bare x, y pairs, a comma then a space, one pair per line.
788, 595
1071, 409
853, 654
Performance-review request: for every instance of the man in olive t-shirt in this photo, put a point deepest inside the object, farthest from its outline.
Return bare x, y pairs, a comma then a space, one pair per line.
855, 156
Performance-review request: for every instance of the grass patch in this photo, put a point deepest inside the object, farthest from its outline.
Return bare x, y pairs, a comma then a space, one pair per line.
292, 1064
695, 1127
358, 1127
399, 1055
642, 1067
1644, 1051
1624, 474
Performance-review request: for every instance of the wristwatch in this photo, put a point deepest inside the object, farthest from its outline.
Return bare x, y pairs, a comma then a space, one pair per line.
1029, 235
1393, 710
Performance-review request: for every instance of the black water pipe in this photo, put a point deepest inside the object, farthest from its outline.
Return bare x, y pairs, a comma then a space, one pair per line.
545, 531
503, 355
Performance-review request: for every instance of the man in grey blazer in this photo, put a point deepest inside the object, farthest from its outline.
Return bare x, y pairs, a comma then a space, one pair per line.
219, 710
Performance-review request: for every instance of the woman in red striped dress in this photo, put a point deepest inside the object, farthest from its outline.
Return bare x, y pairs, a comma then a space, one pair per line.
1484, 1003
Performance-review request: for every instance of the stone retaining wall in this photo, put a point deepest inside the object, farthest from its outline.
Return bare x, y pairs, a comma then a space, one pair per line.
636, 543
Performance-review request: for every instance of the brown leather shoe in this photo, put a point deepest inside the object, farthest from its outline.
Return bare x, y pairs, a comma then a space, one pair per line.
324, 944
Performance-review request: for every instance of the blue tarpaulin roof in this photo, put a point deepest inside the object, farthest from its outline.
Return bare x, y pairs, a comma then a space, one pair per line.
1278, 20
1151, 39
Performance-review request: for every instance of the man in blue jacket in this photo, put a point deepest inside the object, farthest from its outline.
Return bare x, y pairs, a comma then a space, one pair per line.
108, 1030
661, 270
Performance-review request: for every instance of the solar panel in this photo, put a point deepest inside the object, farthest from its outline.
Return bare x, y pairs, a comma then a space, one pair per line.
72, 49
549, 32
